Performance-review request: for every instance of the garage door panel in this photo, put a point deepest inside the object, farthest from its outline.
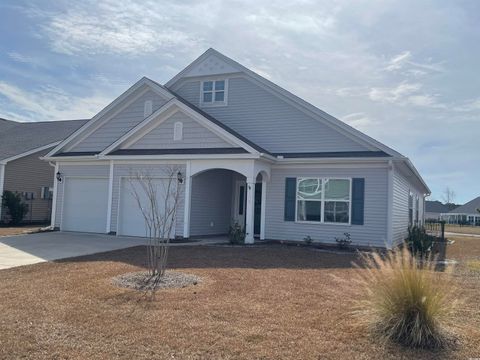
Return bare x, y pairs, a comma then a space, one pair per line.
85, 205
131, 221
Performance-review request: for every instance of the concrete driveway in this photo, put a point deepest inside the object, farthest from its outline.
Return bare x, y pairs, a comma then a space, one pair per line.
40, 247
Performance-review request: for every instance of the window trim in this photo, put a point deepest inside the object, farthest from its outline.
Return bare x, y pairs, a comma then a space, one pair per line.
178, 131
214, 103
323, 200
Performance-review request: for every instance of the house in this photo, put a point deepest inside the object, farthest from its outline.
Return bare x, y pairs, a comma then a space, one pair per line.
468, 214
247, 150
22, 171
433, 209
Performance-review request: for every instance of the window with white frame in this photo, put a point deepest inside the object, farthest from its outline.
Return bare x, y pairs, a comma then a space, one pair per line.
417, 206
214, 92
410, 208
324, 200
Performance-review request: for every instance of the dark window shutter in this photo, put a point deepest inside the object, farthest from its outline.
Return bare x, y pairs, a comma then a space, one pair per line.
290, 198
358, 200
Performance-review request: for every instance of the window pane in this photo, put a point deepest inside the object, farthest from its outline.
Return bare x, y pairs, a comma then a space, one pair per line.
337, 189
310, 189
220, 85
308, 210
207, 97
219, 96
208, 86
336, 211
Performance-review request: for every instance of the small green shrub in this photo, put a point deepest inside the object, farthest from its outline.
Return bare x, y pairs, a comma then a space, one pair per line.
344, 242
308, 240
236, 234
16, 208
419, 242
404, 300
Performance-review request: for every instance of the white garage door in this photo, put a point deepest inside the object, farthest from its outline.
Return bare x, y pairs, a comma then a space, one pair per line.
131, 222
85, 205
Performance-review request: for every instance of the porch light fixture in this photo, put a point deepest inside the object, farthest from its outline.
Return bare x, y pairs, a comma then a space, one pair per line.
59, 176
180, 177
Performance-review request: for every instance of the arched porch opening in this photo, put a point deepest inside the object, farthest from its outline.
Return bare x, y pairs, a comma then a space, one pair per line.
218, 200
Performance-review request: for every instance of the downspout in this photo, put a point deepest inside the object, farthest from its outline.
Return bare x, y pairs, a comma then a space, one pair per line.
390, 205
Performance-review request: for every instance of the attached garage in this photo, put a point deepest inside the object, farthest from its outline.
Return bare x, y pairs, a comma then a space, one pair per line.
131, 221
85, 204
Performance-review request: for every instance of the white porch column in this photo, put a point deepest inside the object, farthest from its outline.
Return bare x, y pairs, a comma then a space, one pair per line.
188, 201
250, 211
54, 198
263, 209
2, 181
110, 199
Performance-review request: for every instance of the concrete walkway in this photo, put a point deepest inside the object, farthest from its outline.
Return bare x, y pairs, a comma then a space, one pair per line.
40, 247
459, 234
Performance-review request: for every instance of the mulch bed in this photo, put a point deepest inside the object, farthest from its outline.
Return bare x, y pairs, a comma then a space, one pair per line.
143, 281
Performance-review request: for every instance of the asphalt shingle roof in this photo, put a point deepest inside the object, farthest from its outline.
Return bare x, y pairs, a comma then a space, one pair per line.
469, 208
17, 138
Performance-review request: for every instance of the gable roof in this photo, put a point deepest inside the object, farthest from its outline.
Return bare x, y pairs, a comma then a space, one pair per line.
293, 99
110, 107
469, 208
21, 137
192, 112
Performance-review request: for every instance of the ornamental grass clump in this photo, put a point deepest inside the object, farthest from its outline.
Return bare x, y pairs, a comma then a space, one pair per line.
404, 300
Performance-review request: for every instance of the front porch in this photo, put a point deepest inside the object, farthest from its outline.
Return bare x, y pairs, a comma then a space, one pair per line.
219, 194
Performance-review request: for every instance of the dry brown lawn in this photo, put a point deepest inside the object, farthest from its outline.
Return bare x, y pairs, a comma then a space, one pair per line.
273, 302
462, 229
17, 230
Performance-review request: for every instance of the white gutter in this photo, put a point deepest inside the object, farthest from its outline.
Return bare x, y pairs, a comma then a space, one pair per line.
29, 152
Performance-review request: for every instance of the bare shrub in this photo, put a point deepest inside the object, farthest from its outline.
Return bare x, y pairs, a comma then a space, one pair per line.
403, 300
157, 198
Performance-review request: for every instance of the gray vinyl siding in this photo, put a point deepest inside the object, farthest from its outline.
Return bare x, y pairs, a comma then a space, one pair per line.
100, 170
125, 170
372, 233
194, 136
120, 124
401, 191
211, 202
30, 174
269, 121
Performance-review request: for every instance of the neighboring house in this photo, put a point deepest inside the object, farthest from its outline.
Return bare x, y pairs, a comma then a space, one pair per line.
433, 209
248, 152
22, 171
465, 214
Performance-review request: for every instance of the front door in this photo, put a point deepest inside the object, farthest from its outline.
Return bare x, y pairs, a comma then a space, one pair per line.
240, 202
257, 209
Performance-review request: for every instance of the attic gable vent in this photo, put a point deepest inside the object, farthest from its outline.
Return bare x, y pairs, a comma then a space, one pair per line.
178, 131
147, 109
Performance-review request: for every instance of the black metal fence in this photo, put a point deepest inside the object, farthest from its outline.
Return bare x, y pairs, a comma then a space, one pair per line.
436, 229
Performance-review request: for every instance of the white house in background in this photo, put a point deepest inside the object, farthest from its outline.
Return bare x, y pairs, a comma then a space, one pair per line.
465, 214
247, 150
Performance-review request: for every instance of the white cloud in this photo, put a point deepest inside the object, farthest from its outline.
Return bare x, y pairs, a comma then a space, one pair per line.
48, 103
117, 27
359, 120
398, 61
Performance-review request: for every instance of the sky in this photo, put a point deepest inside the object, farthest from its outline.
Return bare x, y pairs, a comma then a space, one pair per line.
404, 72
